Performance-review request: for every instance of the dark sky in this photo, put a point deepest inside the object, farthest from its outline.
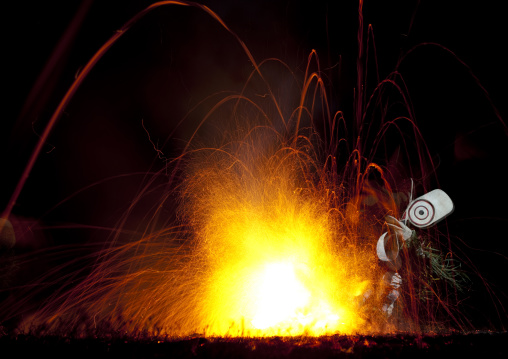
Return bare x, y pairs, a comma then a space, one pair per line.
176, 56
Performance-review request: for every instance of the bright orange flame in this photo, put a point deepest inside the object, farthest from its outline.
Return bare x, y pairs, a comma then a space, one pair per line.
277, 259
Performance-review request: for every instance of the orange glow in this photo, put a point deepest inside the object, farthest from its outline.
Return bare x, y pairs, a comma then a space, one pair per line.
279, 262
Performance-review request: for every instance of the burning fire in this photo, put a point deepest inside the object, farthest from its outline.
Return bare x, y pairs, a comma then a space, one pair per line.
279, 260
263, 251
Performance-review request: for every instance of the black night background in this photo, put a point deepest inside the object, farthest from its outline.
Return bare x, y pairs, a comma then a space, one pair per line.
132, 101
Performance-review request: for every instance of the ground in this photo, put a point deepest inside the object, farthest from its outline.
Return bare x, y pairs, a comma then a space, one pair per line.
478, 344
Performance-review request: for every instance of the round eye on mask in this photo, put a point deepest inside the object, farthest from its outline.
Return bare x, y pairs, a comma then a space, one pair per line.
429, 209
421, 212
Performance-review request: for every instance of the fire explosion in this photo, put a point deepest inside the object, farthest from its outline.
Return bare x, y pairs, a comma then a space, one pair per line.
264, 251
276, 226
278, 258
